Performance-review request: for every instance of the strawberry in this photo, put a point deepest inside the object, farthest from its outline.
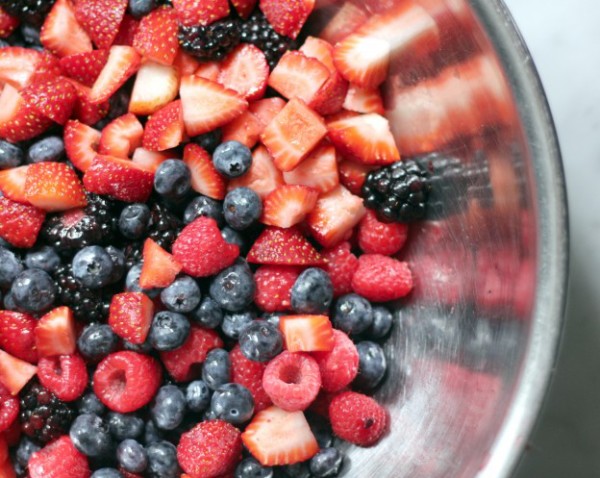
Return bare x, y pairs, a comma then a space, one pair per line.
59, 459
20, 224
156, 37
61, 33
245, 129
363, 60
245, 71
101, 19
358, 418
81, 144
66, 376
84, 67
244, 7
286, 247
288, 205
210, 449
165, 128
340, 265
339, 366
266, 109
249, 373
18, 65
307, 333
122, 63
187, 64
209, 70
205, 178
293, 134
54, 187
47, 68
318, 171
55, 333
14, 372
9, 411
353, 175
85, 111
381, 278
17, 335
274, 286
119, 178
262, 177
155, 86
18, 120
376, 237
346, 20
363, 100
127, 31
12, 183
334, 216
131, 315
208, 105
201, 249
160, 268
149, 160
276, 437
7, 23
121, 136
200, 12
54, 98
287, 16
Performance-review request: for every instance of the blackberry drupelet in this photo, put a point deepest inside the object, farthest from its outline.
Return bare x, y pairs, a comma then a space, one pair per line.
398, 192
29, 11
210, 42
258, 31
164, 226
87, 305
43, 416
133, 254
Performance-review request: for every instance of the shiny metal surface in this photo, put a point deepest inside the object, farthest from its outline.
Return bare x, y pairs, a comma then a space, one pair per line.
474, 346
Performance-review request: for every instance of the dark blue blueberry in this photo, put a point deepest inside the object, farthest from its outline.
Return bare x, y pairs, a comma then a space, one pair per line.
168, 408
162, 460
143, 348
382, 323
106, 473
203, 206
216, 369
97, 341
183, 295
260, 341
134, 221
132, 282
233, 288
51, 148
232, 159
353, 314
298, 470
125, 425
152, 434
141, 8
9, 302
4, 43
92, 267
250, 468
209, 141
45, 258
132, 456
118, 260
233, 324
10, 267
312, 293
30, 34
273, 318
11, 155
234, 237
233, 403
197, 396
242, 208
90, 436
372, 365
90, 403
320, 429
169, 330
173, 179
33, 290
208, 314
326, 463
24, 451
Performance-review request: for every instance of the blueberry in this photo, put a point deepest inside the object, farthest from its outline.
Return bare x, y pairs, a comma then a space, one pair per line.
141, 8
132, 456
30, 34
233, 324
44, 257
118, 260
51, 148
33, 290
125, 425
233, 288
320, 429
152, 434
327, 462
298, 470
353, 314
260, 341
9, 302
216, 369
90, 435
97, 341
183, 295
233, 403
197, 396
250, 468
242, 208
382, 323
144, 348
106, 473
11, 155
173, 179
234, 237
162, 460
168, 331
132, 282
134, 221
232, 159
273, 318
24, 451
372, 365
90, 403
10, 267
92, 267
168, 407
206, 207
208, 314
312, 293
209, 141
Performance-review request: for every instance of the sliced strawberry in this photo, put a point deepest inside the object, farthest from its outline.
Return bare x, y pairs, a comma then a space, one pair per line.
363, 100
17, 65
287, 16
121, 136
334, 216
353, 175
122, 63
8, 23
319, 49
101, 19
209, 70
54, 98
20, 224
47, 68
15, 373
205, 178
54, 187
165, 128
17, 335
84, 67
208, 105
244, 7
276, 437
186, 64
55, 333
307, 333
200, 12
85, 111
156, 38
363, 60
288, 205
262, 177
61, 33
285, 247
347, 19
81, 144
319, 170
159, 269
246, 129
266, 109
12, 183
155, 86
18, 120
121, 179
149, 160
131, 315
127, 31
245, 70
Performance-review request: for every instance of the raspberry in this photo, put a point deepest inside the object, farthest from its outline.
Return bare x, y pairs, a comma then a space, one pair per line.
126, 381
357, 418
341, 264
59, 459
381, 278
17, 336
292, 380
210, 449
65, 376
9, 409
184, 362
249, 373
376, 237
273, 287
339, 366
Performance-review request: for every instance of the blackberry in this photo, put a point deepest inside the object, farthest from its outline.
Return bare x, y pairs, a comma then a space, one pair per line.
29, 11
258, 31
398, 192
133, 254
210, 42
44, 417
164, 226
88, 305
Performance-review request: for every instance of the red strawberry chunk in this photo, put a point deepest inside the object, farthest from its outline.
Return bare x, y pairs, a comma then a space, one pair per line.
84, 67
12, 183
205, 178
55, 333
287, 17
18, 120
266, 109
101, 19
363, 100
307, 333
187, 64
263, 177
286, 247
65, 376
81, 144
17, 335
85, 111
353, 175
165, 128
200, 12
274, 286
363, 60
246, 129
288, 205
61, 33
127, 31
347, 19
339, 366
245, 70
9, 411
131, 315
59, 459
123, 62
381, 278
7, 24
14, 372
121, 136
159, 269
20, 224
358, 418
249, 373
149, 160
54, 187
155, 86
244, 7
18, 65
318, 171
340, 265
376, 237
209, 70
156, 36
54, 98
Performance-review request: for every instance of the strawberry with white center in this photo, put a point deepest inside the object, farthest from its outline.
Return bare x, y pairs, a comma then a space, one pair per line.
266, 109
155, 86
121, 136
55, 333
263, 177
363, 60
307, 333
245, 129
205, 178
18, 65
318, 171
81, 144
149, 160
160, 268
364, 100
54, 187
61, 33
156, 36
165, 128
15, 373
18, 120
346, 20
245, 70
122, 63
12, 183
209, 70
101, 19
20, 224
288, 205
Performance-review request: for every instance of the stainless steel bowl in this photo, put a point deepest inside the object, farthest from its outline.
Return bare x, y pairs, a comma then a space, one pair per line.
474, 346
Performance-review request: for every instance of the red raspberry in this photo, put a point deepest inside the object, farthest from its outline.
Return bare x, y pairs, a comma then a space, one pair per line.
126, 381
17, 335
210, 449
321, 404
292, 380
357, 418
375, 237
66, 376
273, 287
59, 459
341, 264
184, 363
340, 365
9, 409
249, 373
381, 278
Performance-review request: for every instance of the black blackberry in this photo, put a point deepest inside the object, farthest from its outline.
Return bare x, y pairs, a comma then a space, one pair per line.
398, 192
164, 226
44, 417
210, 42
258, 31
133, 254
29, 11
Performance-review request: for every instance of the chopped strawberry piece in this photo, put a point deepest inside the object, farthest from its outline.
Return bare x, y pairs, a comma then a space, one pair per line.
127, 31
18, 65
84, 67
18, 120
288, 205
55, 333
101, 19
347, 19
20, 224
245, 129
339, 366
287, 16
156, 37
54, 98
7, 23
353, 175
380, 278
47, 68
149, 160
363, 100
131, 315
121, 136
14, 372
200, 12
54, 187
245, 70
59, 459
205, 178
66, 376
307, 333
358, 418
286, 247
165, 128
319, 170
155, 86
244, 7
249, 373
209, 70
340, 265
85, 111
61, 33
376, 237
266, 109
12, 183
159, 269
122, 63
9, 411
262, 177
363, 60
186, 64
81, 144
273, 287
17, 335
